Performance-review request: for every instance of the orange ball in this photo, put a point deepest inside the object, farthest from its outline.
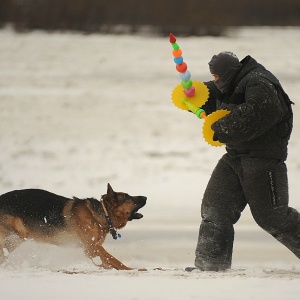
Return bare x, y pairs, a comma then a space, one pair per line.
177, 53
181, 68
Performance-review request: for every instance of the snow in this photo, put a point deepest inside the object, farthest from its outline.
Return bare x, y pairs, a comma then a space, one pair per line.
79, 111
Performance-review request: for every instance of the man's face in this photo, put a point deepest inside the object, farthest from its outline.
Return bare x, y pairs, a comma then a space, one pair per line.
216, 77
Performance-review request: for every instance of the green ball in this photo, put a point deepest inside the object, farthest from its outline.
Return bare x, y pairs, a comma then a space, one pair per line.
187, 84
175, 46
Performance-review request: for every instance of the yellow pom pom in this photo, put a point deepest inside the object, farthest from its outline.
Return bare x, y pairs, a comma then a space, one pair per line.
209, 120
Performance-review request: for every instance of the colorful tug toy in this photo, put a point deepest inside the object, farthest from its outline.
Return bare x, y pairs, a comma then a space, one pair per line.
191, 95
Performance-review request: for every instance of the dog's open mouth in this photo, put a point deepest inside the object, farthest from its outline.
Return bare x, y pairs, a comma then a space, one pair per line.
135, 215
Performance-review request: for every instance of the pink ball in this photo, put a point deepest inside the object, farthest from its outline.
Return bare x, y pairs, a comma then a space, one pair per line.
190, 92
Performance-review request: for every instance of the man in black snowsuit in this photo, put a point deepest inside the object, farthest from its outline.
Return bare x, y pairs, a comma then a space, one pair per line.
253, 170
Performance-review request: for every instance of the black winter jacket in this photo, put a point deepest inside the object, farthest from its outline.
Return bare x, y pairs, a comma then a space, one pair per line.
261, 118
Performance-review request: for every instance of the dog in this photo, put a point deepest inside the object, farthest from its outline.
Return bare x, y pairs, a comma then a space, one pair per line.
46, 217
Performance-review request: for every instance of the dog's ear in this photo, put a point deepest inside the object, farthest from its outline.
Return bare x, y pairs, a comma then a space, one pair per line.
110, 192
111, 195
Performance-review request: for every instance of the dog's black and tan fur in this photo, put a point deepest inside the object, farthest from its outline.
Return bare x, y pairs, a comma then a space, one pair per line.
46, 217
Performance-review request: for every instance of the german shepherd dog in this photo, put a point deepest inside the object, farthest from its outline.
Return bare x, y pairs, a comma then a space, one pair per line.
46, 217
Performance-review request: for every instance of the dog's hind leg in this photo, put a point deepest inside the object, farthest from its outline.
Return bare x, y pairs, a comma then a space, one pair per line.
2, 244
4, 234
12, 233
8, 243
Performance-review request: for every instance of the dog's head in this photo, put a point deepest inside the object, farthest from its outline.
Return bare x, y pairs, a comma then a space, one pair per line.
123, 207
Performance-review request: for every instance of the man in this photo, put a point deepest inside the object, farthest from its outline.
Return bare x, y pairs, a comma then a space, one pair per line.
253, 170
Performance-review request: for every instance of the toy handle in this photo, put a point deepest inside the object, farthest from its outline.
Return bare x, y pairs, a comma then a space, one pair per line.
199, 112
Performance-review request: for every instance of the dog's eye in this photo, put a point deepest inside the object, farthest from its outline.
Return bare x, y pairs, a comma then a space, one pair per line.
125, 197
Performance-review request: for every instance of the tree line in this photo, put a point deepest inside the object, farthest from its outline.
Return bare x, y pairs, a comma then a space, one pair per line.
189, 17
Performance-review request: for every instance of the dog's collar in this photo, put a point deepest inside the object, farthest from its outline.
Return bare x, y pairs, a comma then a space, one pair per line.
111, 228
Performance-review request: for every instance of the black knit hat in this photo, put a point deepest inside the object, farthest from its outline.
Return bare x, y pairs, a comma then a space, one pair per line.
226, 65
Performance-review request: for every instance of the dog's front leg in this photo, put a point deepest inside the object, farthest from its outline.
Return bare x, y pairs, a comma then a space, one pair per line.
108, 261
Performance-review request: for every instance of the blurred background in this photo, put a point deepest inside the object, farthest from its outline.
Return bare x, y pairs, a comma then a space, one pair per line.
189, 17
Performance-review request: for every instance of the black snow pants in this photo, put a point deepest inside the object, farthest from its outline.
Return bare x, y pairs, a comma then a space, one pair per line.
235, 182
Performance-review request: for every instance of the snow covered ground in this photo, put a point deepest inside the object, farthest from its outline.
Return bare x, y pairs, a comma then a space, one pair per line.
78, 111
